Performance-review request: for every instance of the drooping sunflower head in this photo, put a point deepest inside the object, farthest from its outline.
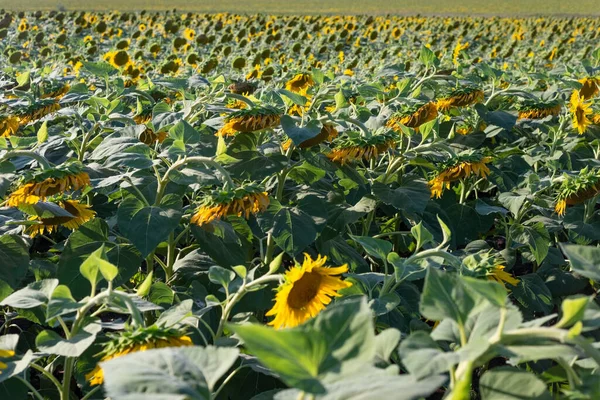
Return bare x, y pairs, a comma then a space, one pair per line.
75, 214
250, 120
577, 189
580, 112
590, 87
461, 97
327, 133
236, 104
144, 116
243, 201
40, 185
54, 89
457, 168
306, 291
355, 147
133, 340
299, 82
486, 264
9, 125
149, 136
412, 116
37, 110
537, 109
244, 88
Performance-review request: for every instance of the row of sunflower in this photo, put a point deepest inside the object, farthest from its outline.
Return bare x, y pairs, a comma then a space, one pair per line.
235, 207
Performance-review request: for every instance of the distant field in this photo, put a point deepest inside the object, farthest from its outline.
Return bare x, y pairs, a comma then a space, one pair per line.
429, 7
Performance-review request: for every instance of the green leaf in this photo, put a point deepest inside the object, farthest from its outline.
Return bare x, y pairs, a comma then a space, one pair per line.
240, 270
300, 134
33, 295
96, 265
220, 276
61, 303
185, 133
508, 383
532, 294
161, 294
584, 260
170, 373
374, 247
14, 259
147, 226
445, 296
52, 343
339, 341
144, 288
426, 56
42, 134
573, 310
306, 173
493, 292
411, 196
535, 236
386, 343
421, 234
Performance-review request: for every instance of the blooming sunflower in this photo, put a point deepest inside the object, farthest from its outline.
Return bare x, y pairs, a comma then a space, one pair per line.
79, 214
580, 111
242, 201
307, 289
250, 120
538, 109
37, 110
134, 340
576, 190
8, 125
489, 265
299, 82
498, 274
328, 132
413, 117
590, 87
353, 147
460, 167
461, 97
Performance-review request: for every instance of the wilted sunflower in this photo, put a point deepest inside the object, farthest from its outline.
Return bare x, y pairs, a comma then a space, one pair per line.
461, 167
537, 109
307, 289
9, 125
55, 90
236, 104
590, 88
576, 190
79, 214
49, 182
144, 116
461, 97
250, 120
135, 340
150, 137
580, 110
299, 82
328, 132
242, 201
354, 147
244, 88
413, 117
5, 354
37, 110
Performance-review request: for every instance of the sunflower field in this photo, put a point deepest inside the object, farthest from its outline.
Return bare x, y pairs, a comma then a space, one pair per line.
220, 206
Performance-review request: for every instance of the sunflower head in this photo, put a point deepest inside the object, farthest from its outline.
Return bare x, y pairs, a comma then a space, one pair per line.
306, 291
327, 133
244, 88
250, 120
590, 87
243, 201
457, 168
461, 97
75, 214
9, 125
4, 353
54, 89
299, 82
580, 112
488, 265
133, 340
355, 147
37, 110
576, 190
412, 116
537, 109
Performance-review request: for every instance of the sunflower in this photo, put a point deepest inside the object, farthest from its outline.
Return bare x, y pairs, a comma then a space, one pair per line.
135, 340
462, 97
5, 354
537, 109
150, 137
413, 117
250, 120
37, 111
576, 190
49, 182
8, 125
590, 87
328, 132
457, 49
580, 111
56, 91
307, 289
354, 147
117, 58
498, 274
236, 104
189, 34
143, 117
244, 88
79, 214
299, 82
242, 201
458, 168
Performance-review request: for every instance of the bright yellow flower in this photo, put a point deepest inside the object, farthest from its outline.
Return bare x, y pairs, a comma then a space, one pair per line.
250, 203
306, 292
32, 192
250, 120
456, 172
299, 82
580, 111
5, 354
81, 214
189, 34
461, 98
427, 112
8, 126
498, 274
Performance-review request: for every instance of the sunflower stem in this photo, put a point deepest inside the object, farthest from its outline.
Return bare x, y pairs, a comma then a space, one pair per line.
363, 128
34, 391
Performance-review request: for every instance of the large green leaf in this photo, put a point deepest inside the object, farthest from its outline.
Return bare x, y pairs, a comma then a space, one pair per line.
446, 296
147, 226
339, 341
585, 260
411, 196
51, 342
14, 259
507, 383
